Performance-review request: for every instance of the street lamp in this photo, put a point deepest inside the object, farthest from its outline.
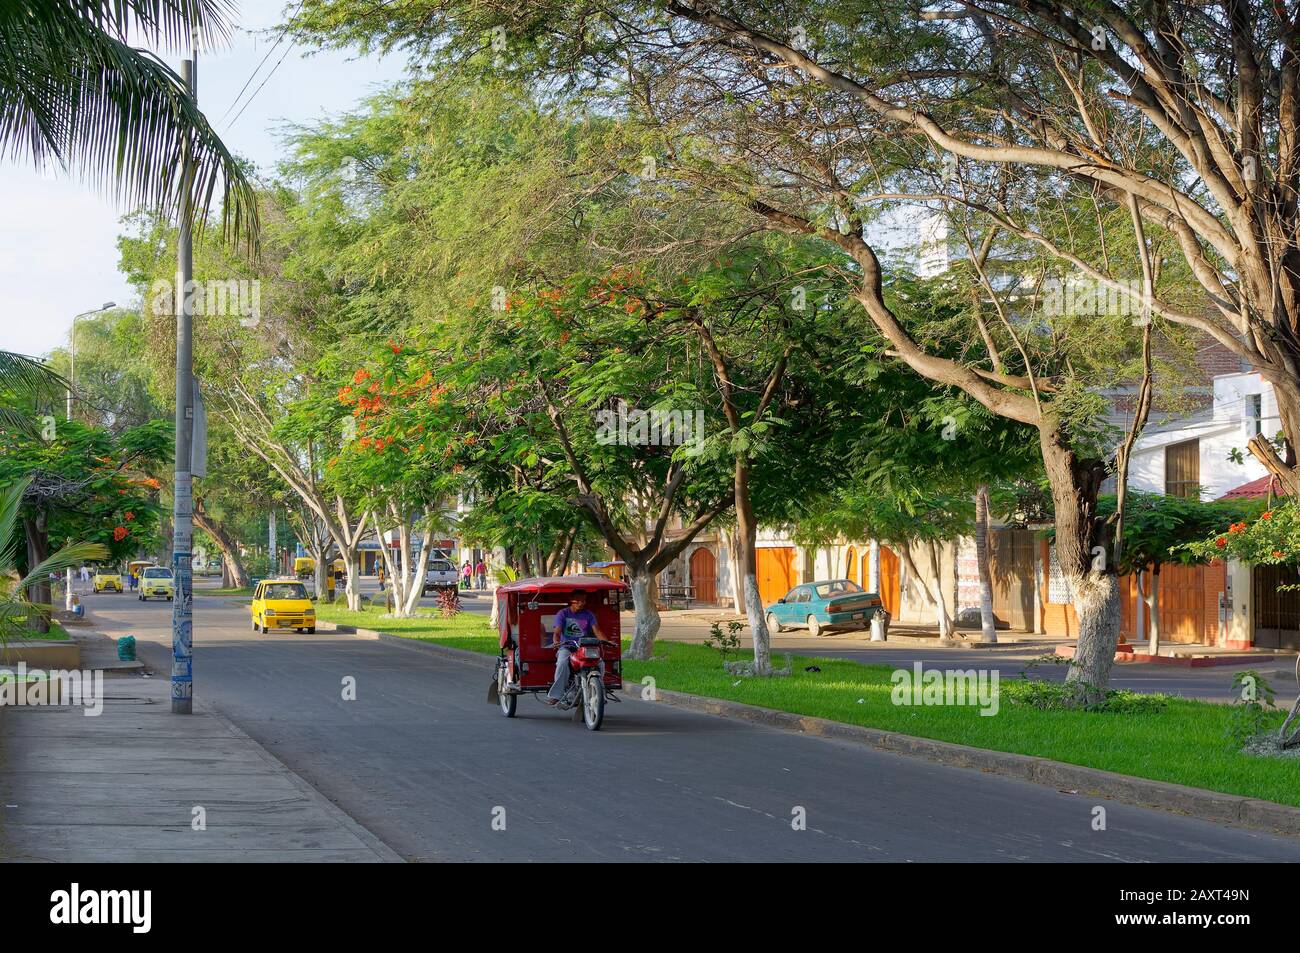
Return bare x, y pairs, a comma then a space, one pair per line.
72, 373
72, 366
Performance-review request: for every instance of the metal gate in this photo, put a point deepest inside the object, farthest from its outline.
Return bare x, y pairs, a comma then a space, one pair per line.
1277, 613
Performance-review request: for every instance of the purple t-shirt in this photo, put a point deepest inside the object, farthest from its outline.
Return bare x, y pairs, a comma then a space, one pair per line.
574, 625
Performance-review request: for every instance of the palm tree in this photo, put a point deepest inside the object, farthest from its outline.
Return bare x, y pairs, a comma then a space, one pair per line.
24, 382
16, 609
74, 93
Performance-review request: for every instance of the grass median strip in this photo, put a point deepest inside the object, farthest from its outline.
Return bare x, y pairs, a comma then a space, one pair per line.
1169, 739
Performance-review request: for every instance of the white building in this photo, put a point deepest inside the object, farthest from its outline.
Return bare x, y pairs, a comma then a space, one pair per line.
1195, 454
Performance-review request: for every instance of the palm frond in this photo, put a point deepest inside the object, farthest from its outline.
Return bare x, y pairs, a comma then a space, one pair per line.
69, 557
11, 498
75, 94
23, 376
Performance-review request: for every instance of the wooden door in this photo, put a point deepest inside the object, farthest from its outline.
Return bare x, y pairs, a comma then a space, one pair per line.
889, 579
851, 564
704, 575
775, 572
1011, 564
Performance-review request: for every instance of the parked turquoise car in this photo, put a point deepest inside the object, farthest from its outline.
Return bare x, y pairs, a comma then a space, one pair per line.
824, 606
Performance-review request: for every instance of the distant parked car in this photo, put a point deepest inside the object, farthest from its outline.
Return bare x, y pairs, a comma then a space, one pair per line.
108, 580
831, 604
441, 574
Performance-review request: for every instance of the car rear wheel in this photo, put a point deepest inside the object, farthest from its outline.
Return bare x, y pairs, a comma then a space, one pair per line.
311, 630
814, 627
772, 624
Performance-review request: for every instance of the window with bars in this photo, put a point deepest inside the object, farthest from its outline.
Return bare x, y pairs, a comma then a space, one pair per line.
1183, 469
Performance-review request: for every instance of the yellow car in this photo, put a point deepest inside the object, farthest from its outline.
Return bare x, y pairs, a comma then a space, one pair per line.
304, 566
106, 579
282, 604
156, 581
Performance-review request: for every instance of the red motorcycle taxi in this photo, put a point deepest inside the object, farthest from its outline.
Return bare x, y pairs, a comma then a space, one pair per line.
526, 613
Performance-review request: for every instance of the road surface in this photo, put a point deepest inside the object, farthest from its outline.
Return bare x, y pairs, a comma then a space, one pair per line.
421, 760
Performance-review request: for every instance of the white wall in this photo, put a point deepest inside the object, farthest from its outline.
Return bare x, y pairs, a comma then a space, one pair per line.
1229, 429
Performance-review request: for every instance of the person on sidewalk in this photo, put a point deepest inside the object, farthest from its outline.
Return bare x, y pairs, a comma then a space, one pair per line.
481, 571
379, 571
573, 622
465, 573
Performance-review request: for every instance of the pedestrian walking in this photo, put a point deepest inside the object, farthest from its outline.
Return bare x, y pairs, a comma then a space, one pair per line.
466, 571
329, 586
481, 571
379, 571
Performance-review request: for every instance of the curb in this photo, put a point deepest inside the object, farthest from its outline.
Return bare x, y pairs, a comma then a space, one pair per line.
1077, 779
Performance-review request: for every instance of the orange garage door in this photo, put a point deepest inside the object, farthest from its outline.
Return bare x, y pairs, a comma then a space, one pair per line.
775, 571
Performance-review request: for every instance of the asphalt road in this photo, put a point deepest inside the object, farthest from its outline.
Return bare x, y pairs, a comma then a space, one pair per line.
426, 764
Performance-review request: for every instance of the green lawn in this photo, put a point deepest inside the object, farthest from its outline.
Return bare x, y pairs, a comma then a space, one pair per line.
465, 631
203, 591
1176, 740
56, 634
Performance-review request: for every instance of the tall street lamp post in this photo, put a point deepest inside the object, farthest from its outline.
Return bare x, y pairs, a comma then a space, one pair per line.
72, 378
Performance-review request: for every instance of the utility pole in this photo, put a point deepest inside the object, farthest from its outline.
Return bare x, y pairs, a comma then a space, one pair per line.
183, 507
272, 541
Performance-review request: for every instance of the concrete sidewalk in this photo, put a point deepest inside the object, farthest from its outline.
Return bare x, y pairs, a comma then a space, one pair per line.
123, 786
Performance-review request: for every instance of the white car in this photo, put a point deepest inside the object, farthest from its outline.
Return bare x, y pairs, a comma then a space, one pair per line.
441, 574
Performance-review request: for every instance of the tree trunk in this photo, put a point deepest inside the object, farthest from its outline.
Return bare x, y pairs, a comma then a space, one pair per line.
988, 626
1075, 484
352, 587
646, 626
747, 540
878, 633
731, 542
232, 566
1152, 599
38, 550
941, 614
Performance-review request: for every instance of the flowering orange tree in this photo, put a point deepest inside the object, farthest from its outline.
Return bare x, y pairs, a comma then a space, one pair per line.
86, 485
1271, 537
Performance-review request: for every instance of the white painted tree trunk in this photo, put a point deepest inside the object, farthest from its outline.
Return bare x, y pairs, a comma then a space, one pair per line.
757, 626
1096, 603
1152, 599
352, 586
942, 617
988, 625
878, 633
1140, 617
729, 540
646, 625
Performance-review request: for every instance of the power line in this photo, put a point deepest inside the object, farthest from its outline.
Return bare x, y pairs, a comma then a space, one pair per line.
258, 69
259, 88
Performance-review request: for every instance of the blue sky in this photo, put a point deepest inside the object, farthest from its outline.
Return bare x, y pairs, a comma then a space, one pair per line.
58, 255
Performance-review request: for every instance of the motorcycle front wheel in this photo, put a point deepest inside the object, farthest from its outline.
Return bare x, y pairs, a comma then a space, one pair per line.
508, 702
593, 702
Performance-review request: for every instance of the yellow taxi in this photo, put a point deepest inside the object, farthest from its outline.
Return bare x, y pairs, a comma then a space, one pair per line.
282, 604
304, 566
107, 580
156, 581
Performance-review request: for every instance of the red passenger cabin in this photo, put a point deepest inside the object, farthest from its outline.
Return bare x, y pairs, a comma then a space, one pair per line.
526, 618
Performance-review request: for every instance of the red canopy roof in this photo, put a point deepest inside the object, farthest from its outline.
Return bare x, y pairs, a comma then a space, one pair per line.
1253, 489
590, 583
